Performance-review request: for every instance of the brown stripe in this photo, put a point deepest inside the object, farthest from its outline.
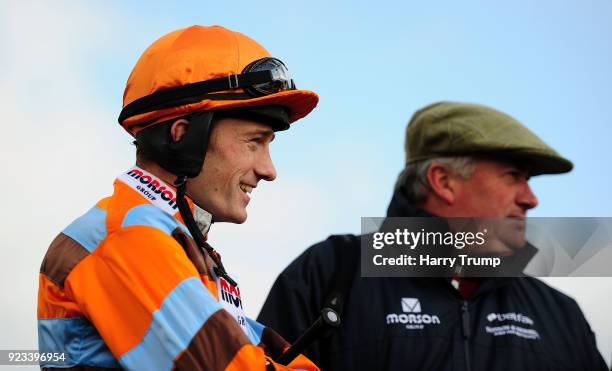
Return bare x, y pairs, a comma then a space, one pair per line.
63, 254
194, 253
273, 343
214, 345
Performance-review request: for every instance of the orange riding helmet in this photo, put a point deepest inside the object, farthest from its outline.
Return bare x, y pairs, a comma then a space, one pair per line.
207, 69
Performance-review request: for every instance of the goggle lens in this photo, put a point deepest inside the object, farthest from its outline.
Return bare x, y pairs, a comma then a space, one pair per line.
281, 78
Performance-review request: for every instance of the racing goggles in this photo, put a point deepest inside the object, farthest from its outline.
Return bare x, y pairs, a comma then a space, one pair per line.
259, 78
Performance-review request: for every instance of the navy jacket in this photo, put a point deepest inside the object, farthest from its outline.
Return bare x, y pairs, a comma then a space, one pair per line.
424, 324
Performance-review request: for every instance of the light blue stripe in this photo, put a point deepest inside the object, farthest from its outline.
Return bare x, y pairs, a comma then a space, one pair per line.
181, 315
89, 229
255, 330
152, 216
78, 339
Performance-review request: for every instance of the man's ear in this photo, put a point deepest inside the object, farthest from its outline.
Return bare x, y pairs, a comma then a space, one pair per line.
442, 183
178, 129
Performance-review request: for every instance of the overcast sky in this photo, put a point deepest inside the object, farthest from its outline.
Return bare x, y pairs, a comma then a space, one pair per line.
64, 66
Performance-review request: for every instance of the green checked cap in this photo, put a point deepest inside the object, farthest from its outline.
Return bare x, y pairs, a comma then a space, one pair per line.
460, 129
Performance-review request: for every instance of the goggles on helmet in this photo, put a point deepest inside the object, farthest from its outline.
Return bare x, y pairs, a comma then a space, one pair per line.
262, 77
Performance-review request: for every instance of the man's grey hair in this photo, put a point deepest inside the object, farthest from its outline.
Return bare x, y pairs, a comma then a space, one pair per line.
413, 179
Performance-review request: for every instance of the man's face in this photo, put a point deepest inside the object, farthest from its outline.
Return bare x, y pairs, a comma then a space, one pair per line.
237, 158
500, 190
495, 189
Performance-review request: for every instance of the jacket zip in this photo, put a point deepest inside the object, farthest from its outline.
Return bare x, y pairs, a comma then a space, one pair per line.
465, 326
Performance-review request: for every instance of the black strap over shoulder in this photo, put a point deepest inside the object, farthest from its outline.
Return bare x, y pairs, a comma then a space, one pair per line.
346, 253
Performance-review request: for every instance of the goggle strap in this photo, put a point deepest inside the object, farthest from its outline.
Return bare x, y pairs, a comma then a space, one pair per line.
153, 101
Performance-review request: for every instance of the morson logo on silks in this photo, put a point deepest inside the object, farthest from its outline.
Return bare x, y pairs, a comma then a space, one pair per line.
152, 188
229, 293
229, 298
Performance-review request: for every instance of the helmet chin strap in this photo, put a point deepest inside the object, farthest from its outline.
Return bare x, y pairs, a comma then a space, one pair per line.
180, 183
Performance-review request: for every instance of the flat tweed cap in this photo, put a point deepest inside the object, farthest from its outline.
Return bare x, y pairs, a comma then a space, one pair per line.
460, 129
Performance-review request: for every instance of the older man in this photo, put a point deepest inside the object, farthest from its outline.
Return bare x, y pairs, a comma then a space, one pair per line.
133, 283
462, 160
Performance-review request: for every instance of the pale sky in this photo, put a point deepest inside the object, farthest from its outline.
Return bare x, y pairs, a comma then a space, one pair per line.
64, 66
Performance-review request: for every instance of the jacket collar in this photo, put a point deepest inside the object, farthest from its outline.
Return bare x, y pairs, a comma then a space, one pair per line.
400, 206
163, 196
